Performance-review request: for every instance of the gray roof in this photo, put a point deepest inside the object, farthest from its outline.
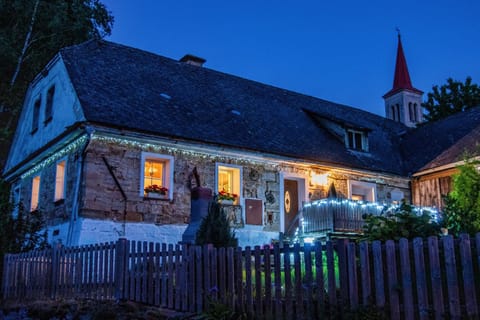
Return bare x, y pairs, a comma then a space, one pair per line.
129, 88
442, 142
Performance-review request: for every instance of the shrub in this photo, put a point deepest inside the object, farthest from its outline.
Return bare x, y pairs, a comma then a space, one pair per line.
215, 228
401, 222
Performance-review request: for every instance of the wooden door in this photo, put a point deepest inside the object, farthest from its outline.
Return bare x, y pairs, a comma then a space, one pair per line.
290, 202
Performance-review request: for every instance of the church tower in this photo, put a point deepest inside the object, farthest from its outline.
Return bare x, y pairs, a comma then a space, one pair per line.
404, 102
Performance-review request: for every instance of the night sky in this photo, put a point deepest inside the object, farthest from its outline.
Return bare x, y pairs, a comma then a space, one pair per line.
343, 51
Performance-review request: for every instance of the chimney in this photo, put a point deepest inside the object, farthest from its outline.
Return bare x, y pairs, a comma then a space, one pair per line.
193, 60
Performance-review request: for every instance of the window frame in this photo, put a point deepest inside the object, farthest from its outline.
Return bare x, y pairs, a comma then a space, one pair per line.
37, 105
352, 143
64, 182
168, 171
240, 180
49, 104
35, 195
370, 187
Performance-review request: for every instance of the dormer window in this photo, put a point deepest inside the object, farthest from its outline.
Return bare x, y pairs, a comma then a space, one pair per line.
356, 140
49, 104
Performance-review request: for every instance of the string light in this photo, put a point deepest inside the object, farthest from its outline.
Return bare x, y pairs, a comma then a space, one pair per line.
73, 146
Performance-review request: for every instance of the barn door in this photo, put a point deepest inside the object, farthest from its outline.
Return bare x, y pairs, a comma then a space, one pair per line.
290, 201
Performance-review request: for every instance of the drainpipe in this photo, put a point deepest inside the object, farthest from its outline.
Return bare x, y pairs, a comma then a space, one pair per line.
76, 192
117, 183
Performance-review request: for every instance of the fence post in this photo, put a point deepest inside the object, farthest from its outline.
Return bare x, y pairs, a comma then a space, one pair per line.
5, 275
121, 257
56, 248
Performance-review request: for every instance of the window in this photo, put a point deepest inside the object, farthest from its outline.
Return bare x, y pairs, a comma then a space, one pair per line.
35, 193
362, 191
356, 140
229, 180
36, 114
60, 181
392, 112
157, 170
49, 104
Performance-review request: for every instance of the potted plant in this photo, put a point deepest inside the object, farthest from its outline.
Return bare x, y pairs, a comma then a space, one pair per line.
156, 191
225, 197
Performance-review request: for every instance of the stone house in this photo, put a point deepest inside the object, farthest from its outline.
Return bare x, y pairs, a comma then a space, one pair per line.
102, 122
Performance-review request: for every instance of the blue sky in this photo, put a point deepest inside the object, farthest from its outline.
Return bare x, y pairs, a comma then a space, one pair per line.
343, 51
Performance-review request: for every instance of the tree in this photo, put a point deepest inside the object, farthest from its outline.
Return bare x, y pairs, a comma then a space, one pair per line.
462, 205
31, 32
215, 228
22, 232
401, 222
451, 98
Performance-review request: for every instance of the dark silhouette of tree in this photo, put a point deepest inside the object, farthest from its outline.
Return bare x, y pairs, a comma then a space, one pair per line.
451, 98
31, 32
215, 228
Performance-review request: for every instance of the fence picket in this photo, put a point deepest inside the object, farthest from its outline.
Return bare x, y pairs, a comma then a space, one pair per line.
420, 278
277, 280
239, 304
268, 282
258, 283
405, 271
352, 276
451, 274
468, 276
307, 257
365, 273
378, 273
319, 279
332, 286
393, 285
435, 277
248, 283
298, 282
288, 281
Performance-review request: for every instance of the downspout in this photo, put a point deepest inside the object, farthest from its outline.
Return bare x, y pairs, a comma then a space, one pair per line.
76, 193
117, 183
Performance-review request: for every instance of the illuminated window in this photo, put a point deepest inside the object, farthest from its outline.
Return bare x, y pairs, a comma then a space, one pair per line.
157, 173
356, 140
60, 181
363, 191
36, 114
229, 180
49, 104
35, 193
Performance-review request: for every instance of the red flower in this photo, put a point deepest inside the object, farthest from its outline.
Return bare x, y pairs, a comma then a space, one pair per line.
154, 188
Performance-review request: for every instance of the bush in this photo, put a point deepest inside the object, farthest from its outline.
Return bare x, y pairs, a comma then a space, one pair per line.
215, 228
462, 205
401, 222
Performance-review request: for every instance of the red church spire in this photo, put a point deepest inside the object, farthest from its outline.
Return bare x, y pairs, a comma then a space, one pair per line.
401, 80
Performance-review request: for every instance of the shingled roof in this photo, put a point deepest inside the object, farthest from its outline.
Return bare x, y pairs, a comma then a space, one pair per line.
442, 142
129, 88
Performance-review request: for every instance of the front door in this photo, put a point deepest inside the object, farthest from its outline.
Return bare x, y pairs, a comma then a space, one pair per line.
290, 203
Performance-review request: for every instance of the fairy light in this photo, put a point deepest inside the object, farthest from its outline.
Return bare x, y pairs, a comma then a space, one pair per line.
73, 146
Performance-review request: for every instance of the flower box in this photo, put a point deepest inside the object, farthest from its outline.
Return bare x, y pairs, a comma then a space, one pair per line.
226, 202
156, 195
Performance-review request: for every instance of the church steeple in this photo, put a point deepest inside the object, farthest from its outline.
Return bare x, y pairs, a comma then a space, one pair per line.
403, 101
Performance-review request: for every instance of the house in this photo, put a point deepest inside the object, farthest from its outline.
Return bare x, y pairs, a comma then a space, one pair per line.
104, 121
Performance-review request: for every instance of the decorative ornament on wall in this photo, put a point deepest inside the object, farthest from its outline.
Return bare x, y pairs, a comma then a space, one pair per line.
288, 202
254, 175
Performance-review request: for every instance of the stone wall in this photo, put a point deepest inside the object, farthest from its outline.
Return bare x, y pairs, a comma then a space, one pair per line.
102, 198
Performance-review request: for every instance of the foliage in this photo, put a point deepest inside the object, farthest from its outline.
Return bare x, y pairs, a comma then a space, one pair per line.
224, 195
219, 311
215, 228
155, 188
31, 32
451, 98
462, 205
21, 233
401, 222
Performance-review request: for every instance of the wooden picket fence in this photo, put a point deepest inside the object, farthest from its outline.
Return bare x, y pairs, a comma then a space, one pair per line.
419, 279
